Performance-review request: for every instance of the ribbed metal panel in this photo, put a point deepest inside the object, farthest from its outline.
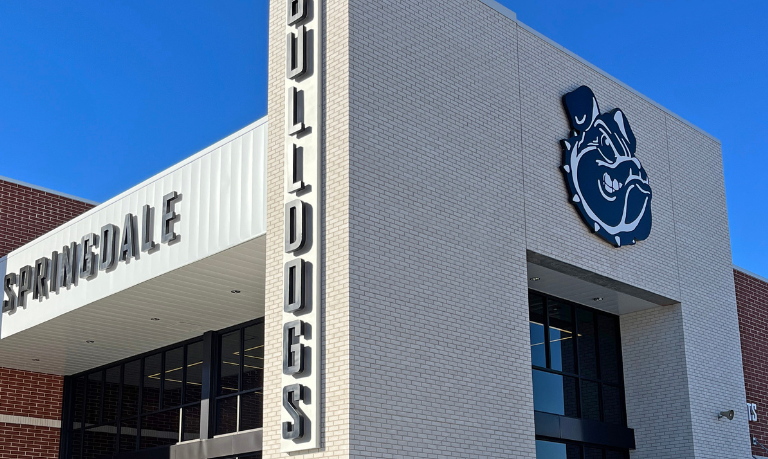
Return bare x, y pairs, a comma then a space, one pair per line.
222, 206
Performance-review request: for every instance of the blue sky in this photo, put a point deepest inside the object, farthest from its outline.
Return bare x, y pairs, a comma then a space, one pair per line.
97, 96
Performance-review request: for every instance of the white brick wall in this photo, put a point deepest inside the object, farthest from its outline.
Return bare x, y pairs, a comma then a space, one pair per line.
442, 154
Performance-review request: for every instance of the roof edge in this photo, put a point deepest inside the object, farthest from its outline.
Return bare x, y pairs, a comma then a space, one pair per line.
511, 15
48, 190
750, 273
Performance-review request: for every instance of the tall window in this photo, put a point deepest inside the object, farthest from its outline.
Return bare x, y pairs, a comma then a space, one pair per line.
154, 400
577, 371
241, 378
576, 356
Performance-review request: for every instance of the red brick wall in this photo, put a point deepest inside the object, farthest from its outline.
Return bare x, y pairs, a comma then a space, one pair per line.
752, 304
19, 441
25, 214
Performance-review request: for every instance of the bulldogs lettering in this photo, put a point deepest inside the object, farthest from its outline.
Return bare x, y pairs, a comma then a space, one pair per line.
607, 182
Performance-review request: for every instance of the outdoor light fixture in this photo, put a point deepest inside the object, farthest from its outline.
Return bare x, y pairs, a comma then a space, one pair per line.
90, 341
597, 298
534, 279
154, 319
235, 291
726, 414
35, 360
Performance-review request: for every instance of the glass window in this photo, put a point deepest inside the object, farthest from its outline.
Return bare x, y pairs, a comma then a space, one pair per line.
253, 357
590, 400
152, 377
131, 382
98, 442
78, 409
612, 402
174, 377
194, 372
538, 347
554, 393
226, 415
561, 342
93, 402
593, 453
191, 427
251, 411
111, 394
552, 450
229, 367
129, 435
585, 321
607, 333
160, 429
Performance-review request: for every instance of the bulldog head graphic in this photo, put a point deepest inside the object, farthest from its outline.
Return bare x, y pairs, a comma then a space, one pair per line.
607, 183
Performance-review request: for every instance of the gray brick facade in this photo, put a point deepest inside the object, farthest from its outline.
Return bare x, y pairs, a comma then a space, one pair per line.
442, 155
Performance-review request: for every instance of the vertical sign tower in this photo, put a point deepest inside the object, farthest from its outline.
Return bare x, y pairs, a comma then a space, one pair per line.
302, 319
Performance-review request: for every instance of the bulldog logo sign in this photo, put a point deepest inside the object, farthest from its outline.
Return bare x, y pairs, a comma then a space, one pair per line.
607, 183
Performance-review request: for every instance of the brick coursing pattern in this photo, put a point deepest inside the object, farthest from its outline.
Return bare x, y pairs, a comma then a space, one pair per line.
25, 214
752, 303
28, 442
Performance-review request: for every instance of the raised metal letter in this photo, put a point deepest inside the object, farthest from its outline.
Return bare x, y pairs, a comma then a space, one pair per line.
295, 225
88, 261
67, 265
295, 111
293, 351
293, 286
169, 217
292, 395
128, 242
53, 282
108, 238
41, 279
147, 228
26, 282
297, 56
297, 11
8, 283
294, 170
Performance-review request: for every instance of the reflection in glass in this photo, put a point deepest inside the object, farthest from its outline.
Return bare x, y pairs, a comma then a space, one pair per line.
585, 320
111, 394
251, 411
590, 400
538, 348
151, 393
131, 380
99, 442
191, 426
128, 435
554, 394
253, 357
609, 349
561, 337
226, 415
78, 409
173, 374
229, 368
160, 429
593, 453
552, 450
612, 405
77, 441
194, 372
93, 404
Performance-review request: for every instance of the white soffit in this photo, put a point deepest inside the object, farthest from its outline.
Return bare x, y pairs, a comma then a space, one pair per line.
222, 205
583, 292
188, 301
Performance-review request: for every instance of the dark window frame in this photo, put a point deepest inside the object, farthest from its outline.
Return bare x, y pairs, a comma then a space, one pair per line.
582, 446
209, 360
601, 382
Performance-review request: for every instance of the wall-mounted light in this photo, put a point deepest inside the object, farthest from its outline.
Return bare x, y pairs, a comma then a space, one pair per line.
90, 341
154, 319
726, 414
35, 360
235, 291
534, 279
597, 298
